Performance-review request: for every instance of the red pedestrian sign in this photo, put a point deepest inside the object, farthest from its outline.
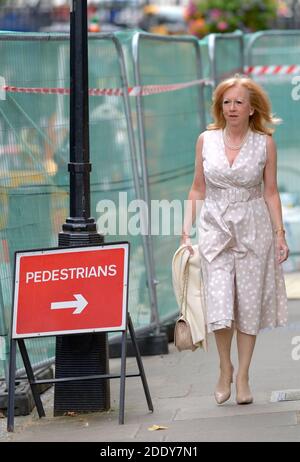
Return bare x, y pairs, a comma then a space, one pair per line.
70, 290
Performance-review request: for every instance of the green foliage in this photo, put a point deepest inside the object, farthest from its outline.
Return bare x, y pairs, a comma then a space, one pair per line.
207, 16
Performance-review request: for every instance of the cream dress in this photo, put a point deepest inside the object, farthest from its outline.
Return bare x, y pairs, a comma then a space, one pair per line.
243, 282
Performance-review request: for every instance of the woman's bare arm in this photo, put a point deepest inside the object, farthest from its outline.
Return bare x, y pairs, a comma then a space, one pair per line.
271, 194
197, 191
272, 198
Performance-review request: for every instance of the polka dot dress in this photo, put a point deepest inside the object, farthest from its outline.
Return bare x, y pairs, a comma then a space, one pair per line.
243, 281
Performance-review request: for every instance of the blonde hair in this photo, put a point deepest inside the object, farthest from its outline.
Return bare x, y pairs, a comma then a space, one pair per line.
259, 101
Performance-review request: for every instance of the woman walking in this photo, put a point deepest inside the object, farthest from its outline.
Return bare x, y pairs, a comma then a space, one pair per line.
241, 235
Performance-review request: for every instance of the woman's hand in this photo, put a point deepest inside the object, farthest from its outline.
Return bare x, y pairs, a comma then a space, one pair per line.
282, 249
186, 240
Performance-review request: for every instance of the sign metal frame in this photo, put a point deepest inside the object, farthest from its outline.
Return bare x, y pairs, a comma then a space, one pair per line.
126, 326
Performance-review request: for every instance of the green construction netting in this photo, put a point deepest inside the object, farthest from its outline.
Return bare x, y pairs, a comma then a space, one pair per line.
34, 182
34, 194
273, 48
172, 122
228, 54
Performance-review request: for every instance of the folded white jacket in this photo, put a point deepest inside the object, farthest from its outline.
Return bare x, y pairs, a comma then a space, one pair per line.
195, 304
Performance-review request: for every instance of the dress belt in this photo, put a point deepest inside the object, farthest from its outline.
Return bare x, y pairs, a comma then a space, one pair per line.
233, 194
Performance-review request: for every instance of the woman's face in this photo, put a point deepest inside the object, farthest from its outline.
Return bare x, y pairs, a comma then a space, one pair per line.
236, 106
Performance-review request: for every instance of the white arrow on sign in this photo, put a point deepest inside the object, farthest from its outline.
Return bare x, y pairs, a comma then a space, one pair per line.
80, 303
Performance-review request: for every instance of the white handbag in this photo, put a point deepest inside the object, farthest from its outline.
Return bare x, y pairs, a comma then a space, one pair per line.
189, 292
182, 333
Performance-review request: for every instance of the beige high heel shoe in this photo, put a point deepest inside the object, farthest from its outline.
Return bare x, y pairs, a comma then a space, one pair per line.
243, 398
222, 395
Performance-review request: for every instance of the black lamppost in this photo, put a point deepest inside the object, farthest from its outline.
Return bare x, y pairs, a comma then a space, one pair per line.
82, 354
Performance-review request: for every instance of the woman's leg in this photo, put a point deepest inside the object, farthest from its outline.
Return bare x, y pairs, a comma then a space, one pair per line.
245, 346
223, 340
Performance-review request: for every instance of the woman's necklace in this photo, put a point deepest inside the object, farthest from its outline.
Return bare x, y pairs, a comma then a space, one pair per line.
234, 147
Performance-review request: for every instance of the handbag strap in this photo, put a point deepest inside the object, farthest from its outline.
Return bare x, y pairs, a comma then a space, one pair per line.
185, 286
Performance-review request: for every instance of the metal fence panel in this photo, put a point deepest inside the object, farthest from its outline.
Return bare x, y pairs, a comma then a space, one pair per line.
169, 124
226, 54
271, 56
34, 182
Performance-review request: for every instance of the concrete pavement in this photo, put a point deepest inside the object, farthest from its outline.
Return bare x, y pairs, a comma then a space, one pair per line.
181, 386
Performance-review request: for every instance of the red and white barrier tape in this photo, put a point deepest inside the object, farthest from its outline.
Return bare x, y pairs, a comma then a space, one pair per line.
146, 90
36, 90
154, 89
143, 90
289, 69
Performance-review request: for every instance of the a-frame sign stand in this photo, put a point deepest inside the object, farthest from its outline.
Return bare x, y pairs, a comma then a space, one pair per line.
20, 331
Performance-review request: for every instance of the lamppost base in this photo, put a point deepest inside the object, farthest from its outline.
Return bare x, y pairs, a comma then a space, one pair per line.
81, 354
